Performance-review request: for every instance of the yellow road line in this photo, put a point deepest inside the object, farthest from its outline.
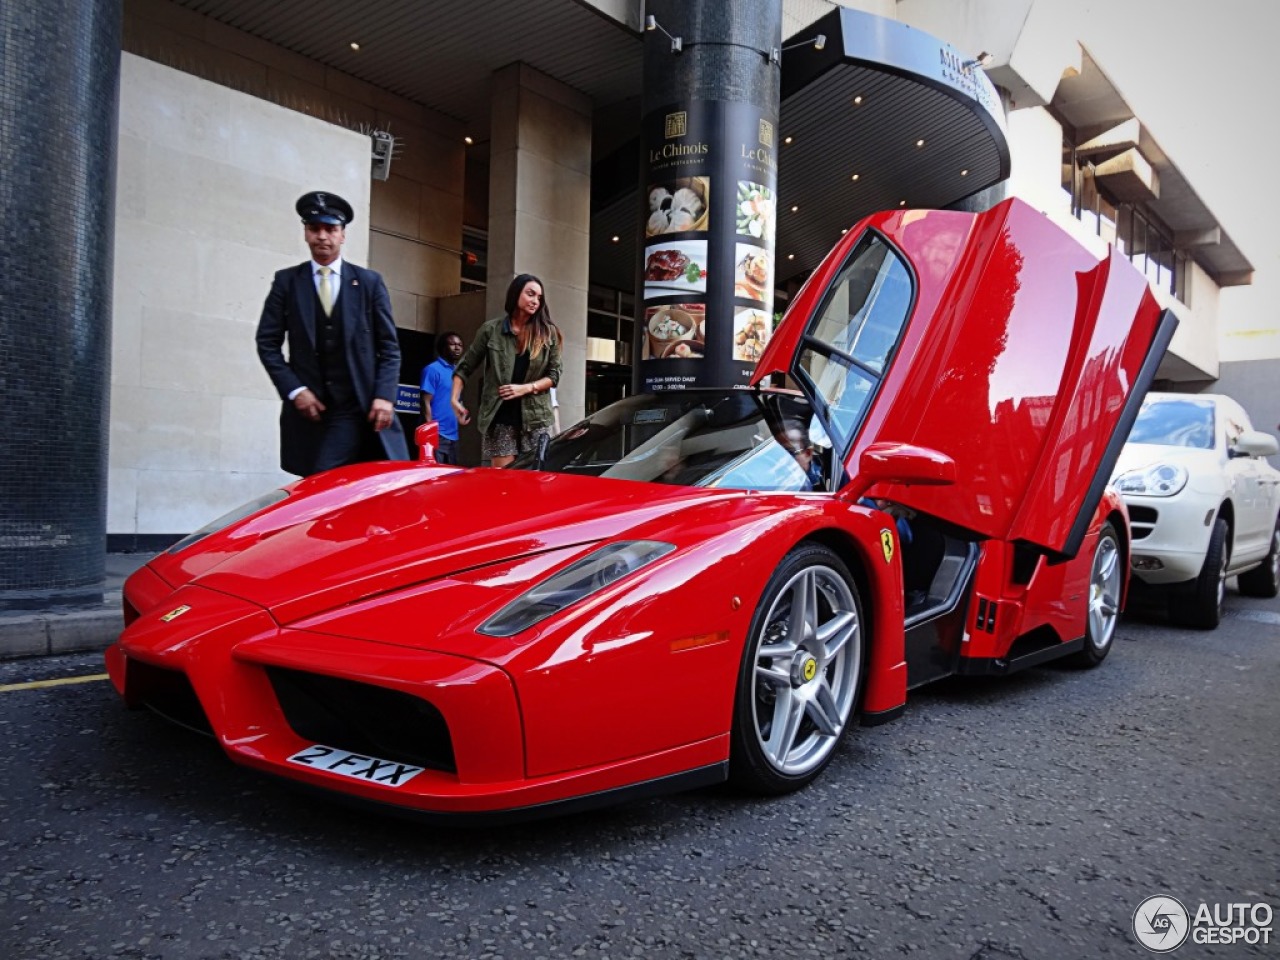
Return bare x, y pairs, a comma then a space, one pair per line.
36, 684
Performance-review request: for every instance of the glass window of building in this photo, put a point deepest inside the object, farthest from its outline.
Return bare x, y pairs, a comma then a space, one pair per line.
1135, 231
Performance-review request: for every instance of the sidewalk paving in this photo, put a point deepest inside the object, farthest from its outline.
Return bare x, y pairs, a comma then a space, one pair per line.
70, 629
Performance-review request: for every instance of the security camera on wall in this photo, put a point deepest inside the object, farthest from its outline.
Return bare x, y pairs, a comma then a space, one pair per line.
384, 147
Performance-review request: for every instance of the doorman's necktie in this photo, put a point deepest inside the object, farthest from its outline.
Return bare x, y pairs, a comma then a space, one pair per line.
326, 297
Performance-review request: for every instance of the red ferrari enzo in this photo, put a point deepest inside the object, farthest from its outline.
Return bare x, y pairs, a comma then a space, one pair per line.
689, 587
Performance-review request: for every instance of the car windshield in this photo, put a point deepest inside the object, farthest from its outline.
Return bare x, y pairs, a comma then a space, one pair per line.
1175, 423
736, 439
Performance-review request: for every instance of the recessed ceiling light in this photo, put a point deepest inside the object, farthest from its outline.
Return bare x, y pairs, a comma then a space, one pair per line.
616, 239
795, 209
355, 46
468, 141
791, 256
844, 231
855, 177
902, 203
857, 101
919, 143
786, 139
964, 173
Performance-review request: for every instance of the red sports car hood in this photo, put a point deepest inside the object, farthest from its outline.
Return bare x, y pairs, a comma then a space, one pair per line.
422, 531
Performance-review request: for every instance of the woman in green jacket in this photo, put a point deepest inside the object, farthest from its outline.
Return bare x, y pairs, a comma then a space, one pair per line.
523, 351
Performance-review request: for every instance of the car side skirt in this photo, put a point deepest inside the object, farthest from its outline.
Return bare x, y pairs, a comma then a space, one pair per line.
998, 666
881, 717
675, 783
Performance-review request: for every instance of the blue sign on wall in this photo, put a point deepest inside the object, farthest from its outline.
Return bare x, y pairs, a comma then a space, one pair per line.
408, 399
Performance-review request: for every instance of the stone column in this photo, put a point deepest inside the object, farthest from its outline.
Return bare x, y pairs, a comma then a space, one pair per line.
540, 207
705, 273
59, 93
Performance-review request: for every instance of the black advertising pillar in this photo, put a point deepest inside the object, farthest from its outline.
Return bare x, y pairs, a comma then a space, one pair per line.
707, 222
59, 102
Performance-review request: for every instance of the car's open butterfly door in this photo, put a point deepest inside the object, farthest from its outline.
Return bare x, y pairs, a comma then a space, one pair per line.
980, 368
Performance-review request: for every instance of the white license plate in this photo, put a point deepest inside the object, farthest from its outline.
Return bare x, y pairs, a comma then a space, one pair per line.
357, 766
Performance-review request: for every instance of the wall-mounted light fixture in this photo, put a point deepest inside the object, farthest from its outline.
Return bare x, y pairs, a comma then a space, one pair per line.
651, 23
981, 60
818, 43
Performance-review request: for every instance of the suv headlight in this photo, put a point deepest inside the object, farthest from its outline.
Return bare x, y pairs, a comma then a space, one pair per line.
593, 572
1160, 480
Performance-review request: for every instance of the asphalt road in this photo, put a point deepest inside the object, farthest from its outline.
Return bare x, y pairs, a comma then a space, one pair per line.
1024, 817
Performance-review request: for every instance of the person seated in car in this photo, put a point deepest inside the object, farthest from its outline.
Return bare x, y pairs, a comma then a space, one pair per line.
794, 437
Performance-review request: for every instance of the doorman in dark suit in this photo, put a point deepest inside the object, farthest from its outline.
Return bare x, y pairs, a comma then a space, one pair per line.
339, 379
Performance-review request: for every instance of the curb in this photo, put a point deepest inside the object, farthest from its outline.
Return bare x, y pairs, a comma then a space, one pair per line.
58, 632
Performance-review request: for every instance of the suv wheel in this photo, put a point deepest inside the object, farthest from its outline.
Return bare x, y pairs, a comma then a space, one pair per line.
1200, 603
1264, 581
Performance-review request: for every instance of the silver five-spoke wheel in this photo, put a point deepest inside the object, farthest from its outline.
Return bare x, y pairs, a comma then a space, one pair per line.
1104, 590
801, 672
1106, 580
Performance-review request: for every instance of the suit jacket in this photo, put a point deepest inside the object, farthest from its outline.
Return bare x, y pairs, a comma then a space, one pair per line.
373, 354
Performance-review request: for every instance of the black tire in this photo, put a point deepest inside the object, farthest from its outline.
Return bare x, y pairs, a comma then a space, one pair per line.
801, 674
1264, 581
1106, 579
1200, 603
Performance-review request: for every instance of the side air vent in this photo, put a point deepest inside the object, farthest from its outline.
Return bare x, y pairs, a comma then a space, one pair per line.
167, 692
1142, 520
986, 618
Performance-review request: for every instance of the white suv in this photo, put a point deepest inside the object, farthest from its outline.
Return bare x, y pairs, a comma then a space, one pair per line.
1203, 503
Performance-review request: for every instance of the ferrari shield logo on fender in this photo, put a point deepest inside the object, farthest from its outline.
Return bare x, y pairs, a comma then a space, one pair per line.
886, 544
175, 613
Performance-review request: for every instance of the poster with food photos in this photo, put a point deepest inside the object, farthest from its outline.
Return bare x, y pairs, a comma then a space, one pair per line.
707, 223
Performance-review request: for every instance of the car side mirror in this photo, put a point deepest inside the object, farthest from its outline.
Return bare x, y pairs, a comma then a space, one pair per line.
903, 463
427, 437
1254, 443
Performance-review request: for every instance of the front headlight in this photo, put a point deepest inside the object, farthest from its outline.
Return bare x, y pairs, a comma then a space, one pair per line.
1160, 480
593, 572
227, 519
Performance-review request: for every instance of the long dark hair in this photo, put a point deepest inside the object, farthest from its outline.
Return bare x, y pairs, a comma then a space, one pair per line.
542, 328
